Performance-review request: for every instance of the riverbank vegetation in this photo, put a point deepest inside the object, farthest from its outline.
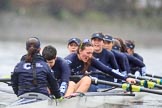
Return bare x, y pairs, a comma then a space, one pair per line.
139, 20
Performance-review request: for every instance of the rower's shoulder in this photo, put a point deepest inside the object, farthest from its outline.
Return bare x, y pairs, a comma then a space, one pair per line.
71, 58
119, 54
107, 52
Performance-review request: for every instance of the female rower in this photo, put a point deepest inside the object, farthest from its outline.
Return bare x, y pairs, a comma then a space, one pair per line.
59, 67
120, 57
130, 45
137, 67
80, 63
104, 56
33, 75
73, 44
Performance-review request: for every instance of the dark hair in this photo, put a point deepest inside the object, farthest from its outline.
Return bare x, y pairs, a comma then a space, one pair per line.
34, 41
130, 44
116, 45
49, 52
85, 43
123, 47
32, 47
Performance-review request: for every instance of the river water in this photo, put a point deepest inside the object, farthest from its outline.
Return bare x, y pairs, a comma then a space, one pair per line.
11, 52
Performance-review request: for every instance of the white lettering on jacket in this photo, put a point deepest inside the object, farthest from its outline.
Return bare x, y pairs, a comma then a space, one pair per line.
27, 66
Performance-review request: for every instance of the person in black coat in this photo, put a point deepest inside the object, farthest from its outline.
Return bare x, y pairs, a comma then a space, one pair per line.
32, 74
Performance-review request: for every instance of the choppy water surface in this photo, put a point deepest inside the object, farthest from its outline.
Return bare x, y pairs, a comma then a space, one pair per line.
11, 52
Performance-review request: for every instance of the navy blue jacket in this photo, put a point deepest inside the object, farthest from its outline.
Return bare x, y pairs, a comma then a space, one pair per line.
138, 56
61, 70
122, 61
22, 78
135, 63
77, 65
108, 59
127, 63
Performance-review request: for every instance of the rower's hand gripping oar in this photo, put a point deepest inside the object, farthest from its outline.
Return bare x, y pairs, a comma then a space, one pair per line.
128, 87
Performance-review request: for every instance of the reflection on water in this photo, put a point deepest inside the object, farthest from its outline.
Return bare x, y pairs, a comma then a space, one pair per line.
11, 53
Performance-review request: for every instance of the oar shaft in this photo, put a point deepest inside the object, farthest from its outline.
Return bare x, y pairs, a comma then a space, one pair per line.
148, 84
151, 91
158, 86
154, 76
107, 83
5, 80
128, 87
107, 94
141, 78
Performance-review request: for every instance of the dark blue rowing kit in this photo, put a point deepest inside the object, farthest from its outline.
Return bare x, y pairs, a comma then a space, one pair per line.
77, 66
61, 72
122, 62
34, 77
138, 56
108, 59
136, 65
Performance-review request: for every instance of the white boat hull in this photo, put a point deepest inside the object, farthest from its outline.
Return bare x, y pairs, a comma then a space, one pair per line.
89, 100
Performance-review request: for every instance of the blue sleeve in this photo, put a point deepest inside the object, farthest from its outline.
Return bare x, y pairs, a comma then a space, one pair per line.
122, 63
54, 87
113, 61
135, 61
65, 71
138, 56
100, 66
127, 64
14, 81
